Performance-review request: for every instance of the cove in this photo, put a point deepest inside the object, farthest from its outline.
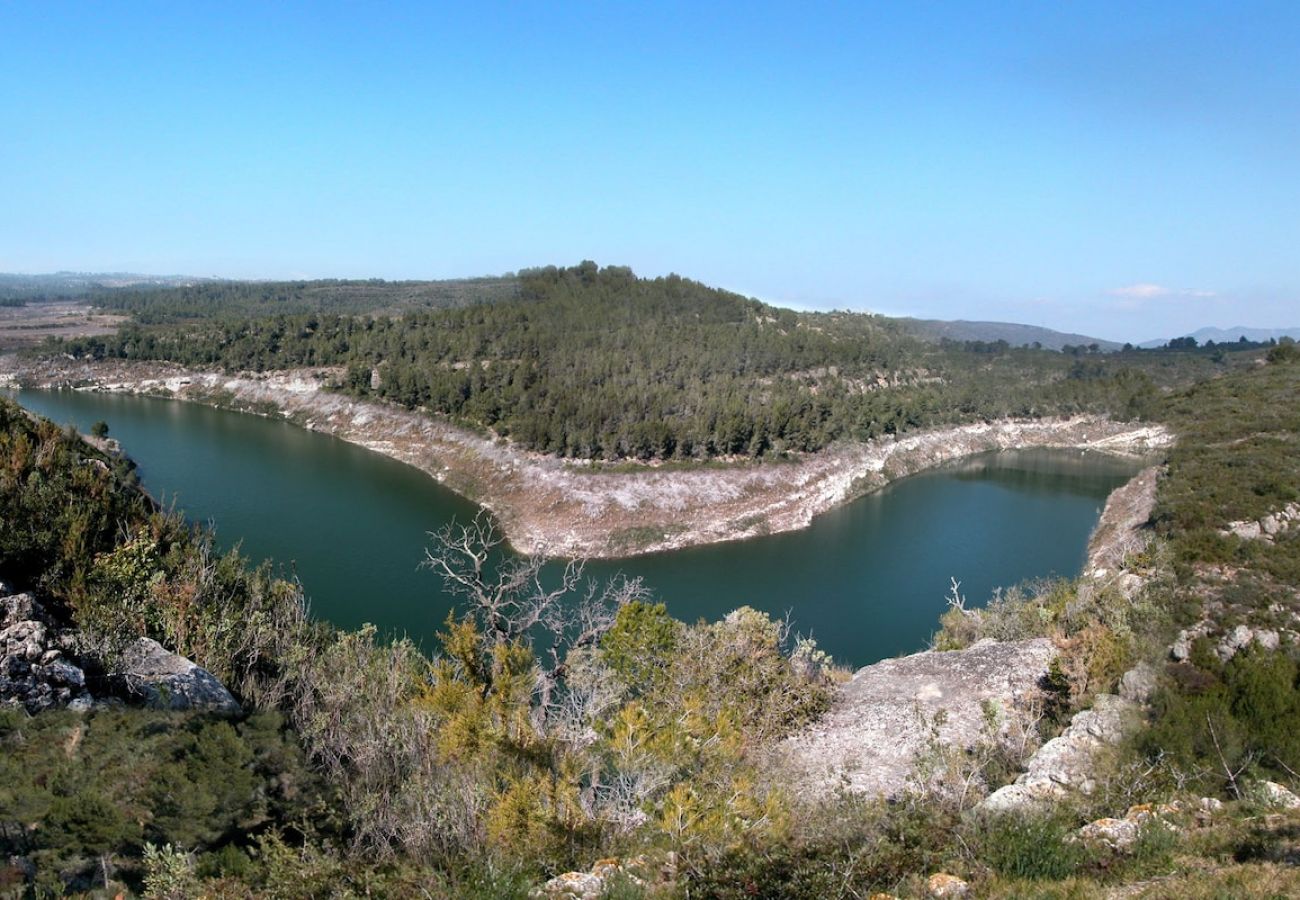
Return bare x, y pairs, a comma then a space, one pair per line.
867, 580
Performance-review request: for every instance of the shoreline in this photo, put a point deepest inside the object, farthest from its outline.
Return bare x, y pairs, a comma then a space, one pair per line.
581, 509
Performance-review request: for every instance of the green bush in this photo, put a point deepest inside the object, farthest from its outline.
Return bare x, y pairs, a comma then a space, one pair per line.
1030, 847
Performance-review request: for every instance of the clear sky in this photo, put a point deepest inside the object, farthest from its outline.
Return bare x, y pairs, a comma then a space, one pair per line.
1129, 170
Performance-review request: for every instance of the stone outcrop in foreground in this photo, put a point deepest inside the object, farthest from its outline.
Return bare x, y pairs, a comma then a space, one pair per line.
39, 669
34, 672
1064, 765
151, 675
894, 711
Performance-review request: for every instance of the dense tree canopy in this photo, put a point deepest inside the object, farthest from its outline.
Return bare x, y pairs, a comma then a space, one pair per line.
597, 363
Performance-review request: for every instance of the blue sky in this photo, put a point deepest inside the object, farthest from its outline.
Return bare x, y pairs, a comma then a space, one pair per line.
1126, 170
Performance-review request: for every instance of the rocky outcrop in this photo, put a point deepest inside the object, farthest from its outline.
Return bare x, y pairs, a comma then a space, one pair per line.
149, 674
606, 875
39, 672
1065, 764
1228, 644
1121, 835
1266, 528
892, 712
1124, 527
34, 673
1270, 793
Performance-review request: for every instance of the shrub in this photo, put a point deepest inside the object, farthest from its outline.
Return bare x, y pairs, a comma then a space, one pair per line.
1029, 846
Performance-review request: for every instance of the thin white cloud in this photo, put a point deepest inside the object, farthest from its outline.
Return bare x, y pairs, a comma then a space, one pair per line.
1140, 291
1147, 291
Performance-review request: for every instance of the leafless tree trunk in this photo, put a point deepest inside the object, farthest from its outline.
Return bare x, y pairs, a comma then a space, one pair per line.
511, 600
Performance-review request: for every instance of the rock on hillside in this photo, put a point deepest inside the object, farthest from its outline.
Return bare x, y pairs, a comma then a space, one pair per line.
1124, 526
33, 671
150, 674
1064, 765
39, 669
892, 712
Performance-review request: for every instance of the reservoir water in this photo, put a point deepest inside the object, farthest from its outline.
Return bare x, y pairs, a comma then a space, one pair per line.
867, 580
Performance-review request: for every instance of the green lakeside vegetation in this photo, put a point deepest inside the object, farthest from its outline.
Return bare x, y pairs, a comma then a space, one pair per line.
365, 768
595, 363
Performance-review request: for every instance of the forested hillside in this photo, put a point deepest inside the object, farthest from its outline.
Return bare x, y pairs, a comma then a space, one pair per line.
251, 299
597, 363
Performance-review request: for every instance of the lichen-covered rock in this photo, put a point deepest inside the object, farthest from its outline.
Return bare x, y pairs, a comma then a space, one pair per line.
1270, 793
1121, 834
943, 885
891, 712
1065, 763
591, 885
151, 674
33, 672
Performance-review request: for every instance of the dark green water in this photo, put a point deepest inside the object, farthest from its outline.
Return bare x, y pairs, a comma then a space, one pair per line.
867, 580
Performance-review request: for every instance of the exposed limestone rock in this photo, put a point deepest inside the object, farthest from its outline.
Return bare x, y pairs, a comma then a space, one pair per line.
33, 672
1242, 637
591, 885
1267, 527
942, 885
1182, 646
579, 508
1123, 528
1139, 683
1121, 834
891, 712
149, 673
1065, 763
1270, 793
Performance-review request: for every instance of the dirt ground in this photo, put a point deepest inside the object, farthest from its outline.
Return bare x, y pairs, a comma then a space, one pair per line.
25, 326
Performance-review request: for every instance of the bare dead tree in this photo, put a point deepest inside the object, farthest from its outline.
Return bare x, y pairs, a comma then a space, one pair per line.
512, 601
955, 598
509, 601
1227, 770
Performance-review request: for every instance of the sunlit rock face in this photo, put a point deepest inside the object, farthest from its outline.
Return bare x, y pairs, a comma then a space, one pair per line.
894, 712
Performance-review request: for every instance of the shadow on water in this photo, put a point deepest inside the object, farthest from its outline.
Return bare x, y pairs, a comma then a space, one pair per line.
867, 580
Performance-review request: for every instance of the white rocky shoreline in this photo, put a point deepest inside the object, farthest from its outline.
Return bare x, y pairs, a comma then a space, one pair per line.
580, 509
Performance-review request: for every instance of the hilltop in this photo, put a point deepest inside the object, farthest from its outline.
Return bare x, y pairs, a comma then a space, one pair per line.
1232, 335
595, 363
1014, 334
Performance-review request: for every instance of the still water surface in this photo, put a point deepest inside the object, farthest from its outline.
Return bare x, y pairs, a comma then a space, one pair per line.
867, 580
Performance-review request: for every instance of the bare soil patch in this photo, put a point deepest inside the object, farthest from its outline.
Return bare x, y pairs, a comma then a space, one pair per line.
26, 326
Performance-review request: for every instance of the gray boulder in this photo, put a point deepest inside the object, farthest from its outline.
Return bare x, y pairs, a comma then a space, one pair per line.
1064, 765
33, 672
1139, 683
149, 673
892, 712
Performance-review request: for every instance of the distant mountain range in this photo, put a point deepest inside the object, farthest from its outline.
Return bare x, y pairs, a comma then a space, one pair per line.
1014, 334
1231, 335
